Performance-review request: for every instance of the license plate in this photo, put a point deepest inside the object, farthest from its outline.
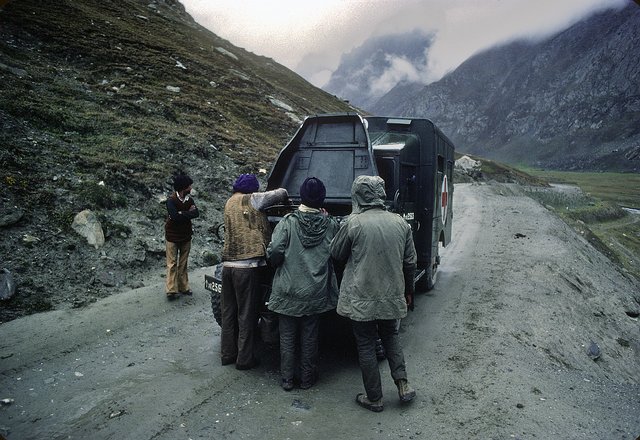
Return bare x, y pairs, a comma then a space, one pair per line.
212, 285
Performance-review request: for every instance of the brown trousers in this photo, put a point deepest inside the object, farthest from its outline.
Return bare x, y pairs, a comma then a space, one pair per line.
177, 259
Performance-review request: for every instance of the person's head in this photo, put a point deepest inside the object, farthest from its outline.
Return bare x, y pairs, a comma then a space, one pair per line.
312, 192
246, 184
182, 183
367, 192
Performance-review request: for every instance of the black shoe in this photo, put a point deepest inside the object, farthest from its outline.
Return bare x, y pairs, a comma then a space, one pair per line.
172, 296
254, 363
307, 383
228, 361
187, 292
287, 384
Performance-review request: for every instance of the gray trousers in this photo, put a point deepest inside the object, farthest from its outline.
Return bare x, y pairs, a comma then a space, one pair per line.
366, 334
304, 329
241, 298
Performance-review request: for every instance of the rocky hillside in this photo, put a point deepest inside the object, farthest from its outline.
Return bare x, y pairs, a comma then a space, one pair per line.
571, 101
101, 104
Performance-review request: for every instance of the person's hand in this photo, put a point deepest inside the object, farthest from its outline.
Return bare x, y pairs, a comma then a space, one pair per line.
409, 299
324, 212
192, 208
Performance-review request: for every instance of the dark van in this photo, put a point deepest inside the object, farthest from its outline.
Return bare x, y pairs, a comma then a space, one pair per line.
412, 155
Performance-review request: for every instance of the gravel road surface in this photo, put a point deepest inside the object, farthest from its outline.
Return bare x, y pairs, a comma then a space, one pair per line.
498, 350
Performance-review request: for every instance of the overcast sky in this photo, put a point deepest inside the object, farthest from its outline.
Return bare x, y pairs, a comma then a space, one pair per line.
310, 36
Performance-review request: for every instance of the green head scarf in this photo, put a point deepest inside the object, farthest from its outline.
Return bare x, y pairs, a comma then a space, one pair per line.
367, 192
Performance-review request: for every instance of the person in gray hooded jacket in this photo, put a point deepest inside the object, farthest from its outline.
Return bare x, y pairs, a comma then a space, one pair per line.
304, 284
377, 249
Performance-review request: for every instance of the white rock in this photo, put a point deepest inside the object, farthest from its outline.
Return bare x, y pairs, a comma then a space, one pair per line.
87, 224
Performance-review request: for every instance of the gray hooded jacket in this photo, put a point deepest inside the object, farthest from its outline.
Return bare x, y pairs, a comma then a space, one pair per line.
377, 249
304, 282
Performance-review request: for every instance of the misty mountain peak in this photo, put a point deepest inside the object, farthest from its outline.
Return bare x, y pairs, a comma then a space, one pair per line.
369, 71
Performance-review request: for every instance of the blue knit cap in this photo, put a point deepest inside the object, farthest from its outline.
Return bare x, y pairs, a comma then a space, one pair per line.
246, 183
312, 192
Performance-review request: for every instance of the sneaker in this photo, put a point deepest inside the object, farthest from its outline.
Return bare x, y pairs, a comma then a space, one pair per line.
405, 392
364, 402
171, 296
187, 292
287, 384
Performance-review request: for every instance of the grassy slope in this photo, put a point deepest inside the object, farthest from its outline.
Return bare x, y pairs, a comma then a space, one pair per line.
84, 100
92, 101
620, 188
97, 77
597, 212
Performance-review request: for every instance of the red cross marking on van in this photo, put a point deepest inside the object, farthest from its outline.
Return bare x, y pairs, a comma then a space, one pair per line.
444, 199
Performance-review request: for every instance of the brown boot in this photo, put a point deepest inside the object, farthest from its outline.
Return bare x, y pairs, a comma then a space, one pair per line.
405, 392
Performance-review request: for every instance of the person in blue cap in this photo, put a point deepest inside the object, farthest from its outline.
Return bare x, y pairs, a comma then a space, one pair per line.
304, 284
247, 234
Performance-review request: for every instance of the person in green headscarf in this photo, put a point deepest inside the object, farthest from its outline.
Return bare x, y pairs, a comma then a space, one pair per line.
376, 247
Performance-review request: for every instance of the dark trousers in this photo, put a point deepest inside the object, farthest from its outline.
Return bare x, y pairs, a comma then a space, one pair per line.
366, 334
305, 330
241, 297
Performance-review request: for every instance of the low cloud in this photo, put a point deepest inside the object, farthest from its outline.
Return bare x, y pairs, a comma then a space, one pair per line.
400, 69
312, 40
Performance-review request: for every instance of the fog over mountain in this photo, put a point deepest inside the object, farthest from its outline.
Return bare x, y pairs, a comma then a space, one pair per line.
311, 41
368, 72
568, 101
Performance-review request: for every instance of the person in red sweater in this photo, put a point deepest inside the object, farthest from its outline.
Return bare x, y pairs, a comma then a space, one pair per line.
181, 210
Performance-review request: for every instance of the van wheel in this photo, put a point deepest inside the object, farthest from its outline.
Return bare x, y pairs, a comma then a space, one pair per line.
427, 281
216, 307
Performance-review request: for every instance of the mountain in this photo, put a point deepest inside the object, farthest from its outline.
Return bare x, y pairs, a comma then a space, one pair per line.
369, 71
101, 103
570, 101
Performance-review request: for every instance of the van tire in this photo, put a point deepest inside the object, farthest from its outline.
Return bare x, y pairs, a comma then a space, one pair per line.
427, 281
216, 307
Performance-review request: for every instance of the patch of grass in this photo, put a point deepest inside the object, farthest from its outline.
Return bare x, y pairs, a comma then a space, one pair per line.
558, 199
113, 229
62, 217
598, 213
593, 208
99, 196
620, 188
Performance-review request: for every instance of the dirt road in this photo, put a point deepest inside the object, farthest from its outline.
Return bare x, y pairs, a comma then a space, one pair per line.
497, 350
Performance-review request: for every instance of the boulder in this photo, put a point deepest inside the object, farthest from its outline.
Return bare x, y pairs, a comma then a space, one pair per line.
467, 164
470, 167
87, 224
10, 218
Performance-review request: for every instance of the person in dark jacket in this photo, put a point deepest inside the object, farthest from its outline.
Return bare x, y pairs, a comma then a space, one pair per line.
377, 249
246, 236
181, 210
304, 284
